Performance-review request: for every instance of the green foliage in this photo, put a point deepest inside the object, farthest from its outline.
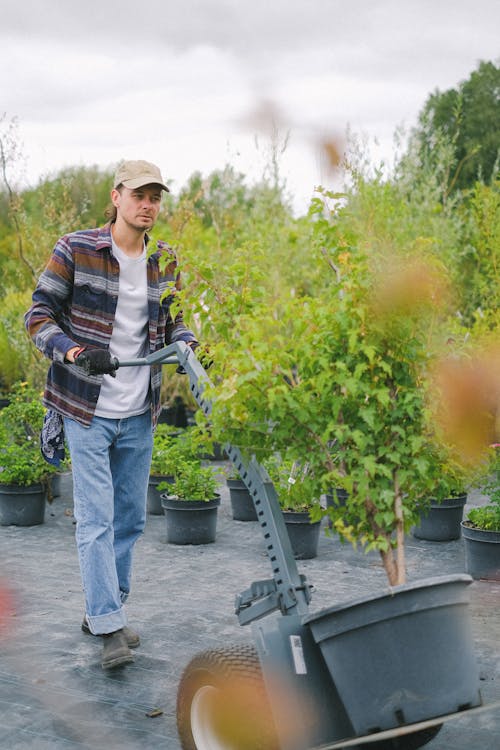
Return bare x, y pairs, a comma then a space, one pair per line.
20, 425
165, 451
193, 481
487, 517
339, 377
468, 116
478, 262
75, 198
171, 447
18, 358
292, 482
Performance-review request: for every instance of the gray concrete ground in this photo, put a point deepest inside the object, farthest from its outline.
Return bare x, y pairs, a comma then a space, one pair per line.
54, 694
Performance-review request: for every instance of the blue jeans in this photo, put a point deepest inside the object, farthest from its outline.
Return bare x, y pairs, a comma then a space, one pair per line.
110, 461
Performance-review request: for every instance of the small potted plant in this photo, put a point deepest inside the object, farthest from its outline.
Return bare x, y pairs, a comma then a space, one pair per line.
441, 515
481, 529
191, 503
166, 454
295, 490
171, 447
24, 474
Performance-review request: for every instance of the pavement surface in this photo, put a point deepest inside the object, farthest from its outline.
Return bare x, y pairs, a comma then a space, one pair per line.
54, 694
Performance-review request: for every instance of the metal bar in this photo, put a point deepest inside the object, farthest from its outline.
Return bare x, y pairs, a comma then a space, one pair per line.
147, 361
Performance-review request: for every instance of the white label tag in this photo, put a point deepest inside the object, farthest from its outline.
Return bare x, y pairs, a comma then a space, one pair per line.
298, 654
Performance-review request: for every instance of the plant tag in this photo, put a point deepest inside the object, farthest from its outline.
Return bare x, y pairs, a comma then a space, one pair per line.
298, 654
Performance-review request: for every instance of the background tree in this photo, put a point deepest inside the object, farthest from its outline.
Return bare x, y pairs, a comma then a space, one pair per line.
468, 116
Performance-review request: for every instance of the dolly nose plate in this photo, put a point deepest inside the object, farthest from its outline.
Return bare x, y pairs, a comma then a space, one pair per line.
390, 734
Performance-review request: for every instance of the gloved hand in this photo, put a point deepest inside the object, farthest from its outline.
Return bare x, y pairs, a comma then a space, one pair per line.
192, 345
97, 362
204, 358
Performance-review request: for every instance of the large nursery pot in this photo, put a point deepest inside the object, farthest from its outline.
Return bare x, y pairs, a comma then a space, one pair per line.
241, 501
303, 534
482, 553
190, 521
441, 523
402, 657
22, 505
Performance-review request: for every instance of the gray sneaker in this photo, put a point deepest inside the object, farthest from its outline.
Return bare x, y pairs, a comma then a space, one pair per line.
133, 640
115, 651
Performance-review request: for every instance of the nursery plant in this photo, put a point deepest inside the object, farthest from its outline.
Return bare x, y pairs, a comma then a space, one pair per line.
165, 450
172, 446
292, 482
193, 481
487, 517
21, 421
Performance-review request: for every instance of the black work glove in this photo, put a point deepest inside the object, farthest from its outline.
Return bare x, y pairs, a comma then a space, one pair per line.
97, 362
192, 345
204, 358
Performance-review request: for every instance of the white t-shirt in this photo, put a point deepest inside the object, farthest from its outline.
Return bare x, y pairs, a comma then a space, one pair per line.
127, 394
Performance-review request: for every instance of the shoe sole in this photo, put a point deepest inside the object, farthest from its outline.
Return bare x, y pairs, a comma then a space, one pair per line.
119, 661
132, 643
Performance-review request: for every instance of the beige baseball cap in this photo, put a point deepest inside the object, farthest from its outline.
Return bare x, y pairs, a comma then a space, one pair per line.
135, 174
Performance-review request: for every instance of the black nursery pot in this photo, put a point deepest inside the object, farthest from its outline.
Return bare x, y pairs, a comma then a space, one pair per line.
22, 505
154, 494
241, 501
442, 521
402, 657
303, 534
190, 521
482, 553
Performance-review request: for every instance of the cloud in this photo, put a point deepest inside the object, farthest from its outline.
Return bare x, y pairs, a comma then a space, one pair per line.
96, 80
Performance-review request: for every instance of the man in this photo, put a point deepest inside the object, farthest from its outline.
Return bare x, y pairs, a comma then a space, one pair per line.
103, 296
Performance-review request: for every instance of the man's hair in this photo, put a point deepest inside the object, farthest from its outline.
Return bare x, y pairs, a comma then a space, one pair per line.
110, 211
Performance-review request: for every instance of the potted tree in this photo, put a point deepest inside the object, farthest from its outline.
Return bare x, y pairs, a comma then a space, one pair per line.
339, 377
24, 474
481, 529
190, 504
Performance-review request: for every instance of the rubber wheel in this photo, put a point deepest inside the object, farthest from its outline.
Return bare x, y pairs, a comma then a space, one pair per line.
222, 702
408, 742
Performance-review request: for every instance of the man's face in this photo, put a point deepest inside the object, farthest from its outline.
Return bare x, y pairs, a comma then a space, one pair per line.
138, 208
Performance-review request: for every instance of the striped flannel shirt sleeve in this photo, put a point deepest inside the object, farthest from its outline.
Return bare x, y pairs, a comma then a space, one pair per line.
48, 303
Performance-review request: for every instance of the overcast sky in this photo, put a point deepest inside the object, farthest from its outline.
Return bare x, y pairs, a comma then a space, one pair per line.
181, 82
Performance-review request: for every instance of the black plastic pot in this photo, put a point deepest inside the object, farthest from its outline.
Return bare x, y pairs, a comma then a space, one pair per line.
154, 495
22, 505
190, 521
303, 534
241, 501
482, 553
442, 521
402, 657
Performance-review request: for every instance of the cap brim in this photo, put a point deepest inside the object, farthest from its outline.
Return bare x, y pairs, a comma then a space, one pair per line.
141, 181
